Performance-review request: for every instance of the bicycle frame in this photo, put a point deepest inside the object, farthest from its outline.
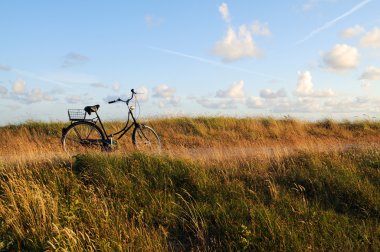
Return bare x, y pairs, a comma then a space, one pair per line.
119, 133
123, 131
146, 136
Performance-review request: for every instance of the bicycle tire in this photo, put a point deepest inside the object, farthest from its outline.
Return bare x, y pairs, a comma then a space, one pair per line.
146, 139
82, 137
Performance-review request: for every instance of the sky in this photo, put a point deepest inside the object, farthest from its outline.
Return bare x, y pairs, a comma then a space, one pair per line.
309, 59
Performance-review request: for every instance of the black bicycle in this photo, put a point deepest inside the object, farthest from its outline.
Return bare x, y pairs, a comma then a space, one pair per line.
84, 134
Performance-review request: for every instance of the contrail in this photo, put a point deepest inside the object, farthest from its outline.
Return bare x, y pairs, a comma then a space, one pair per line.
214, 63
36, 77
332, 22
46, 79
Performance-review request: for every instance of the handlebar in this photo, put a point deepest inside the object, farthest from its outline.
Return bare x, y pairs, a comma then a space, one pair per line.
112, 101
127, 101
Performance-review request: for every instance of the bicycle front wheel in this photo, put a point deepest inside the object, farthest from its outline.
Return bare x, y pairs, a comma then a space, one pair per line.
146, 139
82, 137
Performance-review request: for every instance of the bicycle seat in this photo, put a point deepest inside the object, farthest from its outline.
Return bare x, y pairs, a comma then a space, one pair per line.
90, 109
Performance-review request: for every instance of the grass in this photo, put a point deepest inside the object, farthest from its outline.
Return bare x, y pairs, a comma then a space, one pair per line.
291, 198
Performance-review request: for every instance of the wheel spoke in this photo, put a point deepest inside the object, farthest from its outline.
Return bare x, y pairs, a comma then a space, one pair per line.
76, 131
92, 128
142, 133
82, 137
146, 139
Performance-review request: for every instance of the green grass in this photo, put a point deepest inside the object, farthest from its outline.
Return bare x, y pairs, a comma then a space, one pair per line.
307, 201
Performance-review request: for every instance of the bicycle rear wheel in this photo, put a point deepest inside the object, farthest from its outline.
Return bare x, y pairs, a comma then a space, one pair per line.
146, 139
82, 137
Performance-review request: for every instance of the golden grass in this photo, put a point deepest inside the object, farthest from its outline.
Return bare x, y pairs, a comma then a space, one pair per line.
220, 183
205, 139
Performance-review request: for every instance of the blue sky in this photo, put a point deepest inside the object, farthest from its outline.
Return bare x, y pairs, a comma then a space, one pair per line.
309, 59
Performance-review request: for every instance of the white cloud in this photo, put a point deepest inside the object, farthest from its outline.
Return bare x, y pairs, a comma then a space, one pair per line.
237, 45
225, 99
372, 73
216, 103
19, 87
330, 106
371, 39
304, 84
173, 101
235, 91
341, 57
352, 32
142, 93
305, 87
333, 106
260, 29
255, 102
353, 105
301, 105
280, 102
273, 104
307, 105
223, 9
167, 94
269, 94
36, 95
307, 100
163, 91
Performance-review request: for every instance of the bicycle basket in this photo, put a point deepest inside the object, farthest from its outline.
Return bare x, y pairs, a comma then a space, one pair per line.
76, 114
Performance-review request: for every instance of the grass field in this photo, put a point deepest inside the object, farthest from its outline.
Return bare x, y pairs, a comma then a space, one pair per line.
258, 184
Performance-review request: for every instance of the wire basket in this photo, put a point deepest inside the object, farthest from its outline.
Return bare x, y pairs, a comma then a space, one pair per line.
76, 114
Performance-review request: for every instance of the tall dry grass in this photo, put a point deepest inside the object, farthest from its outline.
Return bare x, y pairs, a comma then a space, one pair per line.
220, 184
205, 138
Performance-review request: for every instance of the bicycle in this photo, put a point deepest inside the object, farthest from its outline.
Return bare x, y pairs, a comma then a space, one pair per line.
84, 134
